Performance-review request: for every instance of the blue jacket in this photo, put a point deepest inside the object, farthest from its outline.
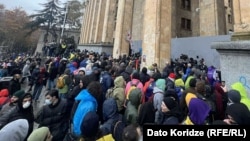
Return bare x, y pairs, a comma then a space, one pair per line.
83, 63
71, 67
87, 103
110, 115
106, 82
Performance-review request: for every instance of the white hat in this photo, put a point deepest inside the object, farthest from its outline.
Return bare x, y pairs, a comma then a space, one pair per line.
82, 69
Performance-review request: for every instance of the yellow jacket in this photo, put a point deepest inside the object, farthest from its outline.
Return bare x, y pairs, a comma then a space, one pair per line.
108, 137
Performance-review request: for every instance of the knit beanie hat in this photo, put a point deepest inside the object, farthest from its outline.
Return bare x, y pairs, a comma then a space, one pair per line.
234, 96
19, 93
82, 69
171, 75
170, 102
39, 134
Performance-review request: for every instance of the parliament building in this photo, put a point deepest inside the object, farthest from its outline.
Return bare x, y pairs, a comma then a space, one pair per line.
149, 25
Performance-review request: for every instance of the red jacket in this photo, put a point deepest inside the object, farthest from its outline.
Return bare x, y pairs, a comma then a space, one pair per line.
4, 96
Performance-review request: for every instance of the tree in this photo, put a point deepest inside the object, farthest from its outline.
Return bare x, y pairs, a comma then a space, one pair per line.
74, 14
50, 18
12, 31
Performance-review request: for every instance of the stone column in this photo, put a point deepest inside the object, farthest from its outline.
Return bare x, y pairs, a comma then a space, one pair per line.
90, 15
157, 32
123, 26
109, 21
83, 26
94, 21
85, 20
86, 17
137, 26
100, 21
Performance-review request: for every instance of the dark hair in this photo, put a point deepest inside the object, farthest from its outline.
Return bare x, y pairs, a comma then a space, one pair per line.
144, 70
192, 82
136, 75
156, 76
86, 80
95, 89
27, 95
200, 87
53, 93
78, 78
108, 67
130, 133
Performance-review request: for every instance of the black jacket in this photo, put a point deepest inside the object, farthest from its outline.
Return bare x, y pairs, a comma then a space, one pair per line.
14, 86
53, 117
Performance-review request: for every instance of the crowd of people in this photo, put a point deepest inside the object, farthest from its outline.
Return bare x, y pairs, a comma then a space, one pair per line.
94, 97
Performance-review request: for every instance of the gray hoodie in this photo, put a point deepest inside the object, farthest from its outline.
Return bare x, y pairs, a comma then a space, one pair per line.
26, 69
15, 131
158, 97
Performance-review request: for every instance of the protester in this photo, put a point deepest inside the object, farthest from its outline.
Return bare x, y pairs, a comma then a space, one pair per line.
23, 110
16, 130
12, 103
40, 134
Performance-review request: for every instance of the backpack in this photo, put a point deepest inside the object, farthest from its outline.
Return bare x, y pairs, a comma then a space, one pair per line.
132, 86
60, 82
149, 91
109, 93
211, 105
117, 129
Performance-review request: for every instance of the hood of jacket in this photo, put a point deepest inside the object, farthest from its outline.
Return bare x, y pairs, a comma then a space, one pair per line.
4, 93
110, 109
15, 131
135, 97
243, 93
39, 134
157, 90
119, 82
20, 103
161, 84
84, 95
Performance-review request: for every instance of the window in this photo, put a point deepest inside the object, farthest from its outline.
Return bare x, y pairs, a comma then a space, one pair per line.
186, 4
229, 18
185, 23
229, 3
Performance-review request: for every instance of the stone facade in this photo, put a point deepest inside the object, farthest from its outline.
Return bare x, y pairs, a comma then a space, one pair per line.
234, 55
242, 20
152, 23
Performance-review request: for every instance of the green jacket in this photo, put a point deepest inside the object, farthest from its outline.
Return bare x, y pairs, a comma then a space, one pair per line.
187, 82
119, 92
131, 112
